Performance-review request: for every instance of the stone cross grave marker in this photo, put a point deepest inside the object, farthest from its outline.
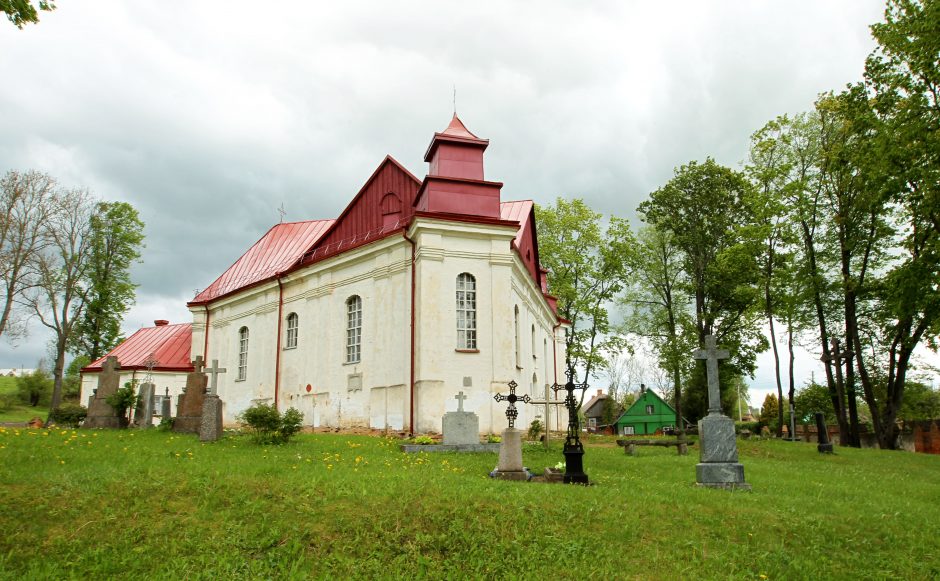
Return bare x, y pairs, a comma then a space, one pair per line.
143, 411
189, 405
837, 356
210, 427
547, 402
718, 465
460, 397
100, 413
711, 354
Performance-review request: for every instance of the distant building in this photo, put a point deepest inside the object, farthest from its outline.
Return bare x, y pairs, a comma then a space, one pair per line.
15, 372
647, 416
594, 411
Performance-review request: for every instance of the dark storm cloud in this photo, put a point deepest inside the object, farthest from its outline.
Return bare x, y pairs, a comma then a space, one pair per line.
208, 121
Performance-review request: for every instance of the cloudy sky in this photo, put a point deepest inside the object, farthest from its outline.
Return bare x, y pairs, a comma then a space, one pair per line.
208, 116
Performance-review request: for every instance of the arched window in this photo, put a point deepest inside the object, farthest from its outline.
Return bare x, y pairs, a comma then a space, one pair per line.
242, 353
517, 338
534, 356
353, 329
466, 311
293, 323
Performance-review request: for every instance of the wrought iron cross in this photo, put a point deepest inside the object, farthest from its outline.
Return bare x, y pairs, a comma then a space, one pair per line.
511, 412
151, 362
571, 403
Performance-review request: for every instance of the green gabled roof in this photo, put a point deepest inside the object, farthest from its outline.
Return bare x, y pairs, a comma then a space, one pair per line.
640, 400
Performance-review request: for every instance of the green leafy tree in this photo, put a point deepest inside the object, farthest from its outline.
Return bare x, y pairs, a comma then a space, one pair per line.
656, 306
588, 263
72, 383
708, 210
34, 387
811, 398
921, 402
117, 235
770, 411
21, 12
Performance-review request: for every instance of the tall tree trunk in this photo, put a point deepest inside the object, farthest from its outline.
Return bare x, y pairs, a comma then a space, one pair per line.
851, 331
792, 378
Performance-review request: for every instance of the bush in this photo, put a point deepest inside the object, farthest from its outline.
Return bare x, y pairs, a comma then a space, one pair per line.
165, 425
493, 439
69, 414
34, 387
8, 401
270, 427
123, 400
423, 440
535, 428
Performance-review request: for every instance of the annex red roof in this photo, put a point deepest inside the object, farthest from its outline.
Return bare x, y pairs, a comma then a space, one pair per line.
516, 212
279, 249
168, 344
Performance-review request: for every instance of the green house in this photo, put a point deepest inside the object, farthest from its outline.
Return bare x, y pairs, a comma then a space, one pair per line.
649, 415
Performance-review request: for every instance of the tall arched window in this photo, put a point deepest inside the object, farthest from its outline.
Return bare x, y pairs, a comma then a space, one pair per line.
534, 356
293, 324
466, 311
353, 329
242, 353
517, 337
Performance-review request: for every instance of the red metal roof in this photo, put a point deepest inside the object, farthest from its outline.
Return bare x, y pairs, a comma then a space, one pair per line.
516, 212
458, 129
279, 249
168, 344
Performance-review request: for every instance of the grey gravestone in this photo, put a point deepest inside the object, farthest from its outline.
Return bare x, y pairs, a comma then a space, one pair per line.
189, 406
210, 428
143, 413
166, 406
461, 427
718, 465
100, 413
822, 430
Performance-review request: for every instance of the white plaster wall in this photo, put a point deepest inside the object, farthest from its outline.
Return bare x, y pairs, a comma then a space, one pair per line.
162, 381
380, 275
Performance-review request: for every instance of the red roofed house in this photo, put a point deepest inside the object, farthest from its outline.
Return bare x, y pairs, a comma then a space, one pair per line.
419, 290
161, 351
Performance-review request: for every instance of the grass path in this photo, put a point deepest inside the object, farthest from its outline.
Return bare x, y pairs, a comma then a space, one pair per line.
102, 504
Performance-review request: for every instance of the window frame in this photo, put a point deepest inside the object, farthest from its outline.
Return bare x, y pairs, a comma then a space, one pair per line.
466, 312
243, 336
353, 329
293, 331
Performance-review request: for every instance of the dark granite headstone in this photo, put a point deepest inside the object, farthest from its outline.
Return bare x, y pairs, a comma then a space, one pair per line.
100, 412
189, 407
824, 446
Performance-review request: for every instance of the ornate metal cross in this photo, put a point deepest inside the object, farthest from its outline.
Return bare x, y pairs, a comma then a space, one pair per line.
151, 362
511, 412
214, 371
573, 450
711, 354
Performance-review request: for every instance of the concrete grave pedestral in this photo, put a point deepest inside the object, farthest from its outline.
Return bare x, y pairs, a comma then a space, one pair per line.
143, 413
718, 465
510, 457
100, 412
189, 406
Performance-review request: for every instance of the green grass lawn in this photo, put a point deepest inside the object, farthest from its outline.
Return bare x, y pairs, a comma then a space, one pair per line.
18, 412
109, 504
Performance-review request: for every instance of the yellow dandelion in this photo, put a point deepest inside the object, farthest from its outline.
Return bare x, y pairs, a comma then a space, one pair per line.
61, 461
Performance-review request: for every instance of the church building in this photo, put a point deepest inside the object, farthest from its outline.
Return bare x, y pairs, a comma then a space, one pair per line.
419, 290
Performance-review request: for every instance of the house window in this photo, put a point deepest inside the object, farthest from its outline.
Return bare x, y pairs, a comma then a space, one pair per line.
628, 430
466, 311
592, 423
518, 339
242, 353
292, 326
353, 329
649, 410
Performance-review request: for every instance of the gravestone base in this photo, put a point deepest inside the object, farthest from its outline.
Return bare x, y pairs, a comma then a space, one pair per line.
210, 427
719, 466
187, 424
510, 457
100, 420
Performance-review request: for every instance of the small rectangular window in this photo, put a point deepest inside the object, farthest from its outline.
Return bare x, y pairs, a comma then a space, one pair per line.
649, 410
